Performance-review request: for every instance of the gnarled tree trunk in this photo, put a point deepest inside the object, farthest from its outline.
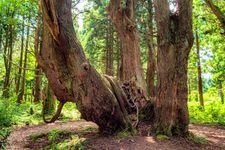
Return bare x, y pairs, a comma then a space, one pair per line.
175, 39
123, 20
71, 76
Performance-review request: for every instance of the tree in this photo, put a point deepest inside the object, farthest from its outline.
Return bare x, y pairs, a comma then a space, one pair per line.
200, 91
151, 52
216, 10
122, 17
175, 39
71, 76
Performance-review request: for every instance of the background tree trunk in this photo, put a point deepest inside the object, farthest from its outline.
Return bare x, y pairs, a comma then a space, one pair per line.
8, 50
21, 59
70, 75
37, 85
109, 50
175, 39
221, 92
200, 91
151, 53
22, 88
123, 20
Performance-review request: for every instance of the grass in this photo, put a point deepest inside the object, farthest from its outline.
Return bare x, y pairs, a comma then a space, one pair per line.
197, 139
162, 137
74, 142
60, 139
212, 113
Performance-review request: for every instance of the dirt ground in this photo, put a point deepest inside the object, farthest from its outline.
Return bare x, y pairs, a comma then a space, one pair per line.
142, 141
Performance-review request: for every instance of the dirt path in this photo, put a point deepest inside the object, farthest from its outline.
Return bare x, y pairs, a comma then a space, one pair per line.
215, 136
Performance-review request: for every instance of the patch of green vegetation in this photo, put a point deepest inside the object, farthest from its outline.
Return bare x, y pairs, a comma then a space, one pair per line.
4, 133
36, 136
126, 133
197, 139
213, 112
54, 134
162, 137
88, 128
75, 143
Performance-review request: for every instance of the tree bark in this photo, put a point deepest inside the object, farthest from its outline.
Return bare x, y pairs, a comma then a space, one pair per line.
151, 53
175, 39
70, 75
123, 20
200, 91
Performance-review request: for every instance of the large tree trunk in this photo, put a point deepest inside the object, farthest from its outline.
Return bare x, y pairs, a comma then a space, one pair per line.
151, 53
200, 91
175, 39
123, 20
70, 75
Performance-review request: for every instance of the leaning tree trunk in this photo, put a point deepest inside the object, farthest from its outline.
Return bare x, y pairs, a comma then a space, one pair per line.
175, 39
70, 75
123, 20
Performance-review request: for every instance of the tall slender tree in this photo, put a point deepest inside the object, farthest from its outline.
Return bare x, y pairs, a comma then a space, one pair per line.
200, 91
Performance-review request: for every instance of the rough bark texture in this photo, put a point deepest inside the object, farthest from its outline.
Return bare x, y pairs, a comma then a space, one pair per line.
175, 39
151, 53
200, 91
219, 14
71, 76
123, 20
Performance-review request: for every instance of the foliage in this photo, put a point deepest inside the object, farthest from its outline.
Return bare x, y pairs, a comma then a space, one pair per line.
213, 112
75, 142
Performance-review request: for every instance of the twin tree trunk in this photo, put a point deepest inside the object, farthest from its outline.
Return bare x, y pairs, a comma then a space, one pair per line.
175, 39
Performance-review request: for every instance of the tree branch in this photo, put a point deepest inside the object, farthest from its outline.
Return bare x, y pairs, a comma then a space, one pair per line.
219, 14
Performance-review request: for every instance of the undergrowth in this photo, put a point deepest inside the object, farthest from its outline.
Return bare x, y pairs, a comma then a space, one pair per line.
212, 113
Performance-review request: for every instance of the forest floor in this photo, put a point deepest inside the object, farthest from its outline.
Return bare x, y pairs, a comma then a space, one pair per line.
36, 137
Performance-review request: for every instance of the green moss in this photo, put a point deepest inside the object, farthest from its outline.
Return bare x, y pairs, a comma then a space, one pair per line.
197, 139
162, 137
